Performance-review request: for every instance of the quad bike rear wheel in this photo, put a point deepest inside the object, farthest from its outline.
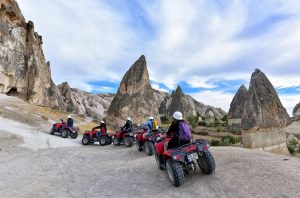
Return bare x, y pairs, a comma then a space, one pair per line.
116, 142
175, 172
52, 131
206, 163
149, 148
138, 146
65, 133
128, 142
103, 140
74, 135
85, 140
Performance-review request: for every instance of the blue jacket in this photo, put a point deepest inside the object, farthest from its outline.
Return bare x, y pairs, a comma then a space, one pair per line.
148, 126
70, 122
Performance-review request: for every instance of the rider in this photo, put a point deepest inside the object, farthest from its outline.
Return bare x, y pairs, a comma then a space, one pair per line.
173, 132
127, 127
148, 125
63, 124
70, 121
102, 127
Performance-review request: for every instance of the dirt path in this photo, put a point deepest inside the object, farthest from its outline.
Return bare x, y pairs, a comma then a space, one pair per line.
94, 171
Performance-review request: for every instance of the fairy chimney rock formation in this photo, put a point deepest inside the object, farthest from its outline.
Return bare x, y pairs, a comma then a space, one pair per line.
296, 112
135, 97
23, 70
265, 118
237, 109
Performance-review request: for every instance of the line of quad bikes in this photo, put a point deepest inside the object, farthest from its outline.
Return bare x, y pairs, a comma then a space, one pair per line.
178, 162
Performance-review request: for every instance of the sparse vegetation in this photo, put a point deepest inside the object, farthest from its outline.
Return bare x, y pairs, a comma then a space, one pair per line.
193, 120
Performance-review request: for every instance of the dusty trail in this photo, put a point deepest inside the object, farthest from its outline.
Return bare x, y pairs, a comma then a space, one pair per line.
95, 171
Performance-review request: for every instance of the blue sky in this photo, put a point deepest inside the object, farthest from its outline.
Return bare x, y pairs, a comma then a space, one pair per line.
209, 47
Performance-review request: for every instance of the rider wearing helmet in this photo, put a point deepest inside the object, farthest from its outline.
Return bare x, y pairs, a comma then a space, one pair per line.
148, 125
102, 127
173, 132
127, 127
70, 121
63, 124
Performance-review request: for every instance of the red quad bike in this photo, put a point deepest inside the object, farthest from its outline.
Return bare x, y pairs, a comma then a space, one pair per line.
182, 161
148, 142
68, 131
90, 137
127, 138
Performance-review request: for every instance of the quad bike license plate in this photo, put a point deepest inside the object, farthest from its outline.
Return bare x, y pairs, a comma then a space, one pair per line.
192, 157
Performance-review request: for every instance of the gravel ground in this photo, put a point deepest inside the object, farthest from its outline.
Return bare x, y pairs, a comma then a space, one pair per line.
36, 164
95, 171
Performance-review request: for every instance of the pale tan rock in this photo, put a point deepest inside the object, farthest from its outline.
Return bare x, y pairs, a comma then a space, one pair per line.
23, 70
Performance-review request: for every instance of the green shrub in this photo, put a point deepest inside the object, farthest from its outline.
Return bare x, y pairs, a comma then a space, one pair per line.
215, 143
291, 150
228, 139
193, 120
204, 133
293, 142
165, 120
225, 118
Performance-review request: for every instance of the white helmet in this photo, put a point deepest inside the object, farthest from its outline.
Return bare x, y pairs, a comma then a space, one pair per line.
177, 115
150, 118
128, 118
101, 121
69, 116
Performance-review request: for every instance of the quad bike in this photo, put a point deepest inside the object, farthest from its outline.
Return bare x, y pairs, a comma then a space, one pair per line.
146, 143
182, 161
122, 137
64, 131
90, 137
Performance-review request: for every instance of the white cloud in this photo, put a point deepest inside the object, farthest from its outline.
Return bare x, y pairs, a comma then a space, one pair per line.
289, 101
197, 42
214, 98
157, 87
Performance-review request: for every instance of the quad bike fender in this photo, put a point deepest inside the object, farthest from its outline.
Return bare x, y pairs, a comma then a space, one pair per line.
140, 137
159, 148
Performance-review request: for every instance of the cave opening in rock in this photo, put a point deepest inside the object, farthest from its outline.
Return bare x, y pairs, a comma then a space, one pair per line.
12, 92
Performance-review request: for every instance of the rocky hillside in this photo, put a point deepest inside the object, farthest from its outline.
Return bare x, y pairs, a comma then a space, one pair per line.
24, 71
178, 101
296, 112
84, 103
137, 99
135, 96
265, 119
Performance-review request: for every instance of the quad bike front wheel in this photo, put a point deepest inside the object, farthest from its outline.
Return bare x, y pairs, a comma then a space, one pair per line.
103, 141
159, 161
138, 146
52, 131
149, 148
65, 133
116, 142
74, 135
85, 140
206, 163
175, 172
128, 142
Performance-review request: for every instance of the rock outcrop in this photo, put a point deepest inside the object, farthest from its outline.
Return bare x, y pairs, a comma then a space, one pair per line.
296, 112
178, 101
23, 70
265, 118
84, 103
135, 97
237, 109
